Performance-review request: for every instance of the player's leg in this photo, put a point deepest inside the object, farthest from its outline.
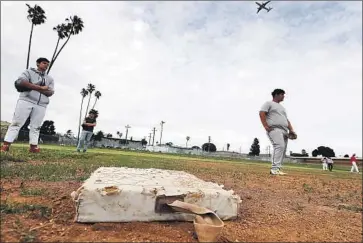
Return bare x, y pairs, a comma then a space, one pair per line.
21, 114
355, 167
36, 119
87, 140
277, 139
286, 139
81, 140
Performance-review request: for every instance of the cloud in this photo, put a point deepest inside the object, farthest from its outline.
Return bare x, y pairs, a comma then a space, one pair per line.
203, 67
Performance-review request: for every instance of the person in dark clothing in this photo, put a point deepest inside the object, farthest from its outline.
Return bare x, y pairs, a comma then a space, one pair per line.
330, 163
88, 125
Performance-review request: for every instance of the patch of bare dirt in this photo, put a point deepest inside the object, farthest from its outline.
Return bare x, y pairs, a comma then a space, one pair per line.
296, 207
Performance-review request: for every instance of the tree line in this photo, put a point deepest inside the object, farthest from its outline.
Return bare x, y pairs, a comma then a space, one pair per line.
48, 128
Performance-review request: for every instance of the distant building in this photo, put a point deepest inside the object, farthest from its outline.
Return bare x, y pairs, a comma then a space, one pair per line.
117, 143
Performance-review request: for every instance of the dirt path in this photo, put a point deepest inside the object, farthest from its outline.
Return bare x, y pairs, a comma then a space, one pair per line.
296, 207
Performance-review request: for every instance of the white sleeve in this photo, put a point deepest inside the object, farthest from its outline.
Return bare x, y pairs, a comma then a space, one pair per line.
24, 76
266, 107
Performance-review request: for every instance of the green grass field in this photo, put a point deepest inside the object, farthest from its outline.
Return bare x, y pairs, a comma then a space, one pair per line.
58, 163
36, 195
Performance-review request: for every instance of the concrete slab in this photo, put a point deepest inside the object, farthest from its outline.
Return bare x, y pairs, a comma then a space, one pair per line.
121, 194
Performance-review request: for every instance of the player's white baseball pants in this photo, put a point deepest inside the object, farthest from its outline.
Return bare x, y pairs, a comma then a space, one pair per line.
278, 138
325, 166
354, 167
22, 111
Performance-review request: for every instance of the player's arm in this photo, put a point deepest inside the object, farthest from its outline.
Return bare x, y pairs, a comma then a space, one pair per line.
50, 91
91, 124
289, 126
264, 121
47, 93
23, 81
263, 112
31, 86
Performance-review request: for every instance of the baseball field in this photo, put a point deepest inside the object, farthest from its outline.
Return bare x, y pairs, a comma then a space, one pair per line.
307, 204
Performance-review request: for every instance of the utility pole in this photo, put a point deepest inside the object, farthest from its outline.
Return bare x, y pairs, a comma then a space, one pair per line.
149, 138
154, 129
127, 131
161, 131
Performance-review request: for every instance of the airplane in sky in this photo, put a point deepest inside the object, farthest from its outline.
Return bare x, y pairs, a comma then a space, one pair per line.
263, 6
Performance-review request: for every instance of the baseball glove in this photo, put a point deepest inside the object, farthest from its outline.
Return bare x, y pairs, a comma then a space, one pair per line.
20, 88
292, 136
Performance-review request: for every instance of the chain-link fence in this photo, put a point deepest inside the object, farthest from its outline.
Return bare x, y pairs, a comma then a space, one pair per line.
56, 139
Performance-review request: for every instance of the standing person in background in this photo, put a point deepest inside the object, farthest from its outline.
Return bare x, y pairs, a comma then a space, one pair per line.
353, 161
330, 163
88, 125
35, 88
278, 128
325, 164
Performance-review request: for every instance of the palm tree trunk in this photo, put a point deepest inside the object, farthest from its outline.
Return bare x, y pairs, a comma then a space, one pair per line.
95, 103
55, 51
85, 115
55, 58
30, 43
79, 123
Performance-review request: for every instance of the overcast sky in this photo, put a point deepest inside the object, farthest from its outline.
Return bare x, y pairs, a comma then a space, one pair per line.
205, 68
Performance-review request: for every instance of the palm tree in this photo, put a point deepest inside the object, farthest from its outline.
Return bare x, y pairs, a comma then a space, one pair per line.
188, 138
73, 27
84, 93
62, 31
36, 16
98, 95
90, 89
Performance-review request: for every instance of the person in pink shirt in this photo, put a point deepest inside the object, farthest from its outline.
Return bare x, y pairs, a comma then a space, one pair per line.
353, 161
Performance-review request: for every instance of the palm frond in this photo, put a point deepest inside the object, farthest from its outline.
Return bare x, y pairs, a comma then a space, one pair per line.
36, 14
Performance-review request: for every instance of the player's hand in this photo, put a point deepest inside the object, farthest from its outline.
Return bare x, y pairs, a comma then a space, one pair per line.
292, 135
43, 88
